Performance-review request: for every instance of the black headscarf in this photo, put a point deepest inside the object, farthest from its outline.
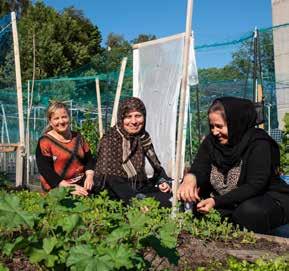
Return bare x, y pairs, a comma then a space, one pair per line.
241, 120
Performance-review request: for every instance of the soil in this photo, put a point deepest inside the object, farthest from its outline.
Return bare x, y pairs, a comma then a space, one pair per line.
193, 253
189, 254
18, 262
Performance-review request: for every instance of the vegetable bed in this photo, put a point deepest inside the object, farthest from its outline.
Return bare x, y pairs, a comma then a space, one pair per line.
57, 231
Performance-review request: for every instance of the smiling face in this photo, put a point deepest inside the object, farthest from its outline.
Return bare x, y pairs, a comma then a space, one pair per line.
218, 127
133, 122
59, 121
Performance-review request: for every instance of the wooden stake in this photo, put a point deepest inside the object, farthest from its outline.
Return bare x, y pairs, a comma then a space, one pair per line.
5, 125
260, 100
100, 126
21, 148
186, 52
28, 132
118, 91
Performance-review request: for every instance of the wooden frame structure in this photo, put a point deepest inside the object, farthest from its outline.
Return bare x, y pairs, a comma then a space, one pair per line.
20, 146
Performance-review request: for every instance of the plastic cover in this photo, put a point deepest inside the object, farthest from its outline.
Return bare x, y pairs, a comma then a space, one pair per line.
157, 78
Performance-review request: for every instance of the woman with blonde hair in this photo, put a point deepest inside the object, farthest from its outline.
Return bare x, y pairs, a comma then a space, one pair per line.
62, 155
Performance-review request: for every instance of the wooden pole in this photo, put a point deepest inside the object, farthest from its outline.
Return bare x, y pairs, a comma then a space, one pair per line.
5, 124
260, 97
2, 130
186, 53
269, 118
255, 67
198, 113
27, 134
21, 149
260, 100
118, 91
100, 126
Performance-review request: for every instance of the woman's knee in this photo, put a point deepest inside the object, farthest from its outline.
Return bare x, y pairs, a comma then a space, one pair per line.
249, 214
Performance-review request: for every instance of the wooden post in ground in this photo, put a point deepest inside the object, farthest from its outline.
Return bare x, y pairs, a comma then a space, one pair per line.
5, 125
184, 89
98, 98
28, 134
260, 97
21, 149
118, 91
260, 100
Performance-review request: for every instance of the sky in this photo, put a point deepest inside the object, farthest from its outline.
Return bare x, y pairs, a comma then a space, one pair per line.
213, 20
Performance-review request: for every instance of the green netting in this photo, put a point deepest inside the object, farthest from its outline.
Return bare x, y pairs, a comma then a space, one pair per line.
232, 74
225, 68
8, 102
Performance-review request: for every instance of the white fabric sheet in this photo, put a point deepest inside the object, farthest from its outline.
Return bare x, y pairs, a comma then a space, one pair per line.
157, 78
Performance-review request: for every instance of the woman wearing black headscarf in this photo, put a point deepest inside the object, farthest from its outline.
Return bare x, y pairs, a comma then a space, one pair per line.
236, 170
120, 165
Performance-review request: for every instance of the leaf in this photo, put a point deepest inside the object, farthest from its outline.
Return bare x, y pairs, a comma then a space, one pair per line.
68, 223
49, 244
137, 221
121, 257
82, 258
58, 194
79, 254
50, 261
12, 215
119, 233
38, 255
9, 248
3, 268
168, 235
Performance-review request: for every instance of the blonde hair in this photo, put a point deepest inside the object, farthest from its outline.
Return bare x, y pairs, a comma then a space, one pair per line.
55, 105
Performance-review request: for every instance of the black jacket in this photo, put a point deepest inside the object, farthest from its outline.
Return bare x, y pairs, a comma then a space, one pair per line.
257, 176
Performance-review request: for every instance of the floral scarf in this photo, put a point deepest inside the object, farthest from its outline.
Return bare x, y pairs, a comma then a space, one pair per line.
122, 154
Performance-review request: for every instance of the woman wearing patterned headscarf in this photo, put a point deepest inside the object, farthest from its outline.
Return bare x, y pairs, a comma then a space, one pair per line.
236, 170
121, 157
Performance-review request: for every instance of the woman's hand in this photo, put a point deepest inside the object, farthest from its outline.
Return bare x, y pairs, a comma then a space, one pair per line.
88, 183
79, 190
64, 183
188, 190
164, 187
206, 205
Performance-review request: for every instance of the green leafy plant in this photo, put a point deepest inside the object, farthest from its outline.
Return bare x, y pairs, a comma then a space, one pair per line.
232, 264
89, 131
212, 227
52, 229
58, 231
284, 147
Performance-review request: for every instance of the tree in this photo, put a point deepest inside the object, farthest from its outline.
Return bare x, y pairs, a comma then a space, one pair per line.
143, 38
217, 74
63, 41
19, 7
117, 49
242, 59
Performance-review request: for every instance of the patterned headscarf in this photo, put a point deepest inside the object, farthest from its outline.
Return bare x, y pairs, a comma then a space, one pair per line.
127, 106
123, 154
